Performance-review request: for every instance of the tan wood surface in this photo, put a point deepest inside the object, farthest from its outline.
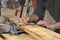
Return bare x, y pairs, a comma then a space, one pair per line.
18, 37
36, 31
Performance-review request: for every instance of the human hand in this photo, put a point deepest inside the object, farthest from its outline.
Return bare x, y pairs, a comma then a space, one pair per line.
46, 24
24, 20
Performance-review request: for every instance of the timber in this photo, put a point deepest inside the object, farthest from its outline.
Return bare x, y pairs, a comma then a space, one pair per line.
19, 37
35, 31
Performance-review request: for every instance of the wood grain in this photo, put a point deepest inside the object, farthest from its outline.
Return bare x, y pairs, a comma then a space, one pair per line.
36, 31
19, 37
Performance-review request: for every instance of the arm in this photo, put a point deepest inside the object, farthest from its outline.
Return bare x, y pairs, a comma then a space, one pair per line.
56, 25
38, 12
48, 25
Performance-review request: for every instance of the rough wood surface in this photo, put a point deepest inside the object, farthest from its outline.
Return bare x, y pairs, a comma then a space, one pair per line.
36, 31
18, 37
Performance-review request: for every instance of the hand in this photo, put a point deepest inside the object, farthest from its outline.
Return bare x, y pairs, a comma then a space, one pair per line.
24, 20
46, 24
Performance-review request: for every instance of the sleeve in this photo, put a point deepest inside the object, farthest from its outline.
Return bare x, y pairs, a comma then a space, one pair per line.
40, 9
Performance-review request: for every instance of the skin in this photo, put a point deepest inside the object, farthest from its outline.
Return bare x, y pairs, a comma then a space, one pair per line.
48, 25
34, 18
44, 22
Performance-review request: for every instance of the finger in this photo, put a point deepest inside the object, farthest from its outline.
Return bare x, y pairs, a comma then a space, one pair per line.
24, 21
27, 19
40, 23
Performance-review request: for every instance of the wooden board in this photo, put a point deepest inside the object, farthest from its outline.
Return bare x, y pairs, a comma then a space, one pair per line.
36, 31
18, 37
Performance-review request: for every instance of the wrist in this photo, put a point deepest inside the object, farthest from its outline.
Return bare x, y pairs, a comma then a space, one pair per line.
55, 26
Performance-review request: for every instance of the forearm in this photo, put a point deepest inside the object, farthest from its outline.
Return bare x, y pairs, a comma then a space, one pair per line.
56, 25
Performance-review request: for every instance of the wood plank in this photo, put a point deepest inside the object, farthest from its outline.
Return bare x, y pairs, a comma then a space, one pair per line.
36, 31
19, 37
